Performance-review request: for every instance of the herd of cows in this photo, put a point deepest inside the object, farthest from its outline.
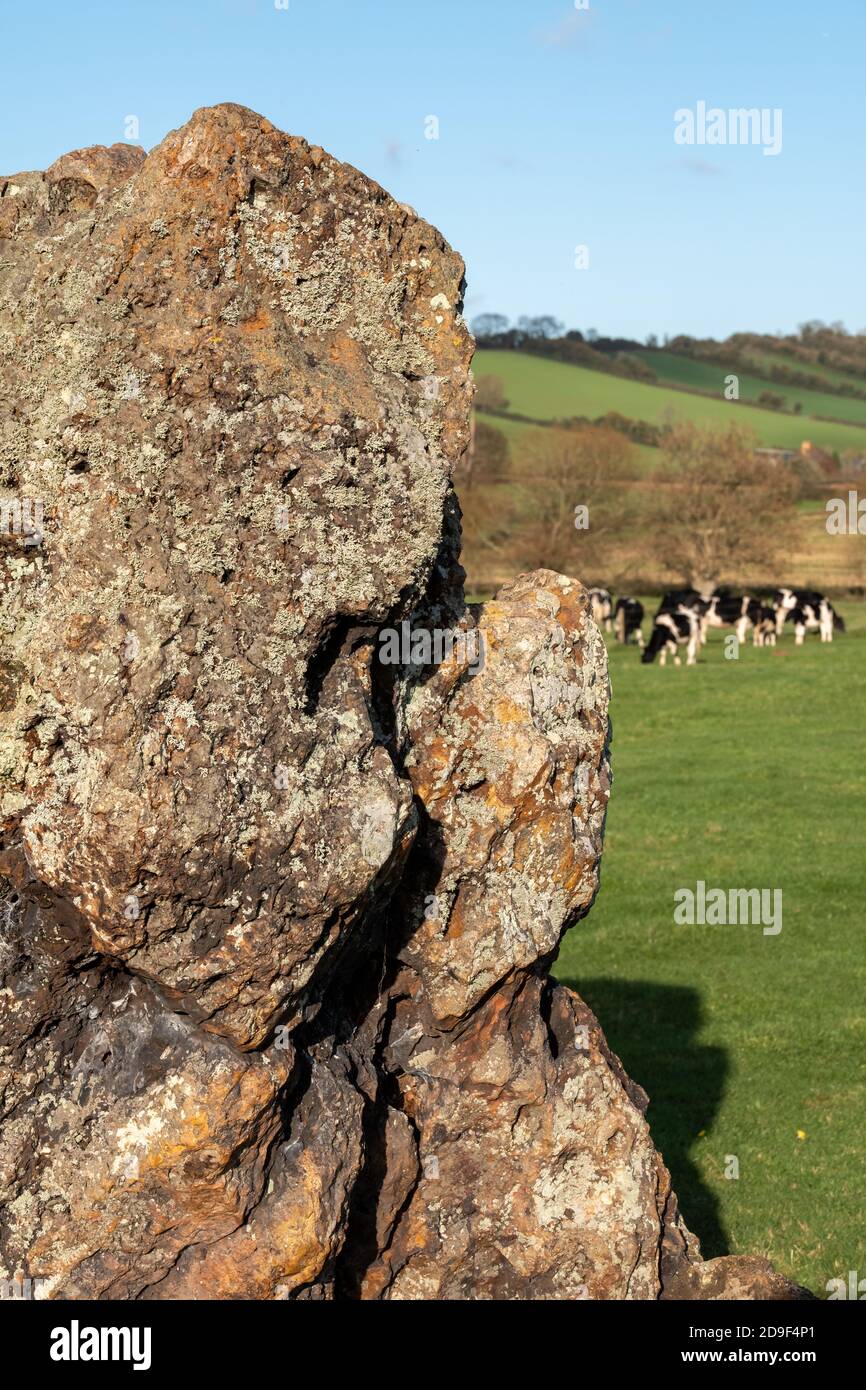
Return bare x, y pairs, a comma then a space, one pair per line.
685, 615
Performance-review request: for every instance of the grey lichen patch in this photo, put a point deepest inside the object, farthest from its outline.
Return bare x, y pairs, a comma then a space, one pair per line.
218, 401
321, 291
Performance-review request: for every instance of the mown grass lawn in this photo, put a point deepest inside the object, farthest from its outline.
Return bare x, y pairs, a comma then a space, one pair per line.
747, 773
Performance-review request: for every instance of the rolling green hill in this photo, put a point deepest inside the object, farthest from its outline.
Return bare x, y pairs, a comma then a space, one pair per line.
645, 457
689, 372
546, 390
764, 359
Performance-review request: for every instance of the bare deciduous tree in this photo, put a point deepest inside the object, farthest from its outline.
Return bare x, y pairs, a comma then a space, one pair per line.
486, 459
726, 510
490, 393
560, 471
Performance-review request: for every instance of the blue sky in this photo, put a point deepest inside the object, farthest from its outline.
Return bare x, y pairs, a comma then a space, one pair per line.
555, 130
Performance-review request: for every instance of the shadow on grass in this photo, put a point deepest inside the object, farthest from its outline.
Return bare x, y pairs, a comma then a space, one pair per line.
653, 1030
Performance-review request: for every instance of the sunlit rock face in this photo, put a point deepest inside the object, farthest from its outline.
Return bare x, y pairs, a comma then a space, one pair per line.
276, 913
237, 382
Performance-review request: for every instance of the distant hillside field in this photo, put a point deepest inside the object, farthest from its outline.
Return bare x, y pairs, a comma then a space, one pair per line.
764, 359
646, 458
547, 390
706, 376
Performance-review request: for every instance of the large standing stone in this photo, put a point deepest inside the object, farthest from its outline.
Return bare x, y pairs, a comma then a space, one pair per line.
276, 917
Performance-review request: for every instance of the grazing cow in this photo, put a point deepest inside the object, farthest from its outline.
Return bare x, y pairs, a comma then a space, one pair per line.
687, 601
784, 600
729, 610
601, 606
676, 598
627, 621
814, 617
670, 631
763, 620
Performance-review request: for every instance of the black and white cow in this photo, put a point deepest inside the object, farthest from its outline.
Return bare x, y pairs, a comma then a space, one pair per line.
601, 606
676, 598
627, 620
838, 622
729, 610
687, 601
814, 617
784, 600
672, 630
763, 621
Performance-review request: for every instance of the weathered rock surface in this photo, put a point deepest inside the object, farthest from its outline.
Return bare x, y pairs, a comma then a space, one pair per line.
277, 917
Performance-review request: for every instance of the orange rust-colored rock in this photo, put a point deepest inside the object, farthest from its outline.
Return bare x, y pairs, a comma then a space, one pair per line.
512, 768
276, 915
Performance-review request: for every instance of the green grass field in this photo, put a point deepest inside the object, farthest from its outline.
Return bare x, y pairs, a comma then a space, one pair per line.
744, 773
765, 358
546, 390
646, 458
705, 376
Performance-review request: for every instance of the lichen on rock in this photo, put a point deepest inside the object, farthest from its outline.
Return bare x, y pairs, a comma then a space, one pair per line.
276, 917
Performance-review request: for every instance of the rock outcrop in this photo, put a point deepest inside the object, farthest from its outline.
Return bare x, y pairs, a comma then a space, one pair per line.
277, 915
